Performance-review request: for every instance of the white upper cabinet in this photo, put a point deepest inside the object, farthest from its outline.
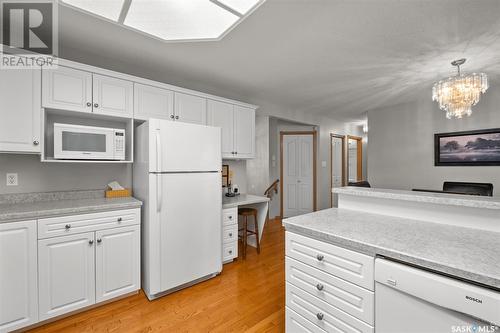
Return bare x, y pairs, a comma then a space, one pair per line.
20, 110
221, 115
244, 132
66, 88
153, 102
18, 270
66, 274
112, 96
238, 128
190, 108
117, 262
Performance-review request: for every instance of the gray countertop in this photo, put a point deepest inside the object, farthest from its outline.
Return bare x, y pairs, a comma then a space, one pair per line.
34, 206
462, 252
426, 197
242, 199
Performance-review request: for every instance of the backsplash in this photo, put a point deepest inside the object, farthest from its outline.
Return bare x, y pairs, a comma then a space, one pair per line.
35, 176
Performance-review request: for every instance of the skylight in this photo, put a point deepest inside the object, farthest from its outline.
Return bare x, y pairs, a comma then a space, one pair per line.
172, 20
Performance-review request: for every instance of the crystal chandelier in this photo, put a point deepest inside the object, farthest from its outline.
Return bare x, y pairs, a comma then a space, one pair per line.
457, 94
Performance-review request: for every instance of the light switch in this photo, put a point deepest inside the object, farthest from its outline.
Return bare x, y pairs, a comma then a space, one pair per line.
323, 164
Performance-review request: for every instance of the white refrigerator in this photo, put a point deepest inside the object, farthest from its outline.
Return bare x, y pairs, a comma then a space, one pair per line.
177, 175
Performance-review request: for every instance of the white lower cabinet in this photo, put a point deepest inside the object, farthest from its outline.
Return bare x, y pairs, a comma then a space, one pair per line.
117, 262
18, 271
229, 234
328, 288
66, 274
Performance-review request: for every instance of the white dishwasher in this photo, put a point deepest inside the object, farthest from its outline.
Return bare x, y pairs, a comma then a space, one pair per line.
412, 300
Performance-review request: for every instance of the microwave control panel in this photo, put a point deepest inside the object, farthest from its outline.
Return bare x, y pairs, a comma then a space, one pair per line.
120, 144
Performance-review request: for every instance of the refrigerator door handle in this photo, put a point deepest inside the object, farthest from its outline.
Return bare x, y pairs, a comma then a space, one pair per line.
159, 194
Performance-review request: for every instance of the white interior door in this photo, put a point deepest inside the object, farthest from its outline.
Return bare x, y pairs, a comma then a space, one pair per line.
117, 262
66, 274
190, 227
298, 182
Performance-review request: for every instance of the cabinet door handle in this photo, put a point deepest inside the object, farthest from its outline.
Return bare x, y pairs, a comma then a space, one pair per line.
96, 105
319, 286
36, 142
67, 226
99, 240
320, 316
236, 153
176, 117
320, 257
172, 116
89, 104
91, 241
119, 219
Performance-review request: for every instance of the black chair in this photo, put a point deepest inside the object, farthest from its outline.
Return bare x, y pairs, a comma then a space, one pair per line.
483, 189
363, 183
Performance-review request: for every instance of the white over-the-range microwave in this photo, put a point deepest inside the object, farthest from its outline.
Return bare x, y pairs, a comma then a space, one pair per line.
88, 142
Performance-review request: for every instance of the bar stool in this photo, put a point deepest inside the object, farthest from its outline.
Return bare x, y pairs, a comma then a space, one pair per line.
246, 212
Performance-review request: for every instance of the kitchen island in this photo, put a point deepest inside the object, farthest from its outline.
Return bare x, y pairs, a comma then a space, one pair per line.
332, 256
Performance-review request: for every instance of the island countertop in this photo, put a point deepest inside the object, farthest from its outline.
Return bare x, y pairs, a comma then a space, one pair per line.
39, 205
242, 199
462, 252
424, 197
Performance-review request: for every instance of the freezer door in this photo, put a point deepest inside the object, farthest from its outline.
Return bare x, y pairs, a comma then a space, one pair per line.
182, 147
190, 208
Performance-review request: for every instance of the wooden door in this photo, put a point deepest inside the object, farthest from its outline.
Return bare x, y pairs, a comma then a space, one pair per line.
244, 132
117, 262
221, 115
18, 272
67, 89
20, 93
298, 174
153, 102
112, 96
190, 108
66, 274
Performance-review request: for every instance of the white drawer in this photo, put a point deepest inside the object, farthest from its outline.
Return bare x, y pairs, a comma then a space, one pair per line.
229, 251
346, 296
324, 315
348, 265
230, 233
74, 224
295, 323
230, 216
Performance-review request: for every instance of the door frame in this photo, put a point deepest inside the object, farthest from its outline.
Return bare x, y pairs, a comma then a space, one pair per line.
343, 137
315, 140
359, 157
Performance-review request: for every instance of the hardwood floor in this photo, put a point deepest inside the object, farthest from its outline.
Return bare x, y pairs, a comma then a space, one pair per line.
249, 296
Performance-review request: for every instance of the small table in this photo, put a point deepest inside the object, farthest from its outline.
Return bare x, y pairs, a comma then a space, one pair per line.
253, 201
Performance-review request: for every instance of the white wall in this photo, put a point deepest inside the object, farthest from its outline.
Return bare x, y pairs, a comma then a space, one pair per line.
401, 141
239, 170
35, 176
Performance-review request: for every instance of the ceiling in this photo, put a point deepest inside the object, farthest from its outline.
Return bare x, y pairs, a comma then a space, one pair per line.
337, 58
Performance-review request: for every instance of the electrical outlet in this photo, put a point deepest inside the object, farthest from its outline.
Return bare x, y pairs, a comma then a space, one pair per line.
12, 179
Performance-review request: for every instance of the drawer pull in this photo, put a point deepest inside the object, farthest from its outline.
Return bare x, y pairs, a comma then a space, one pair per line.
319, 286
320, 257
230, 217
120, 219
320, 316
230, 234
230, 251
67, 226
